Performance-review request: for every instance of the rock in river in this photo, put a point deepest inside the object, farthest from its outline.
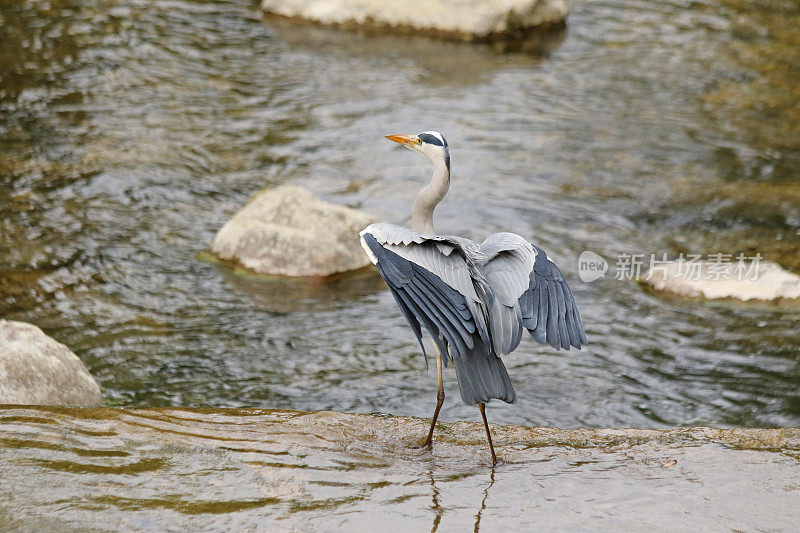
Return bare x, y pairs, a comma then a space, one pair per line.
291, 232
762, 280
37, 370
461, 19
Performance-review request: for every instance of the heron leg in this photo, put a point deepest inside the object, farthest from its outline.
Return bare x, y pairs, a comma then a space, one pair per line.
482, 407
439, 401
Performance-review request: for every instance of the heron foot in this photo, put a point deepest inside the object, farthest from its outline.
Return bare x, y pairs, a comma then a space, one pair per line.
427, 443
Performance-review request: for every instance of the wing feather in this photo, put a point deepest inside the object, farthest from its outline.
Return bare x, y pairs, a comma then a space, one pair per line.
455, 309
431, 302
548, 307
533, 293
509, 259
541, 326
422, 318
451, 330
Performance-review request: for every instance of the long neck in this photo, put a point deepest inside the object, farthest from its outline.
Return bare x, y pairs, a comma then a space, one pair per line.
428, 197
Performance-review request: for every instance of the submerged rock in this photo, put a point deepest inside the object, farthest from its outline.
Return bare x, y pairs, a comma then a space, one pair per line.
37, 370
291, 232
748, 281
464, 19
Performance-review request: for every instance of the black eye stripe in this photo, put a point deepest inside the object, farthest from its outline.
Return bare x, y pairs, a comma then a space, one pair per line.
430, 139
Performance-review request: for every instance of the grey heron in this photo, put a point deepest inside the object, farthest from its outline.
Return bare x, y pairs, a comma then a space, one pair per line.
473, 299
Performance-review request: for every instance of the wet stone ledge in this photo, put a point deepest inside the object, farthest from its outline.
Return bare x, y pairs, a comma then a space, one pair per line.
461, 20
104, 468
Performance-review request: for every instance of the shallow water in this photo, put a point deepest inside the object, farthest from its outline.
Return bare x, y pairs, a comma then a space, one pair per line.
185, 469
130, 131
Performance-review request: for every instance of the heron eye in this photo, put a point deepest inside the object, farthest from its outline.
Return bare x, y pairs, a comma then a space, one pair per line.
430, 139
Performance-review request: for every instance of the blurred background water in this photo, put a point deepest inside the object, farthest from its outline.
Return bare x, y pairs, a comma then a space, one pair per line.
130, 131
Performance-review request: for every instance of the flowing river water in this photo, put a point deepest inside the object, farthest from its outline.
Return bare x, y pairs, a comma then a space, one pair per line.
131, 130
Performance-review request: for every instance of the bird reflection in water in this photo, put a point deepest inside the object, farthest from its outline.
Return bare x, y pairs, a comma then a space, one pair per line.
483, 502
438, 509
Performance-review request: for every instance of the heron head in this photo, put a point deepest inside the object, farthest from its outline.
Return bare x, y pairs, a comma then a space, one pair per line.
428, 143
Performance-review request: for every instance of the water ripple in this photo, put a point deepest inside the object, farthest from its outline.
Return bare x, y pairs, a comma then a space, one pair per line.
130, 132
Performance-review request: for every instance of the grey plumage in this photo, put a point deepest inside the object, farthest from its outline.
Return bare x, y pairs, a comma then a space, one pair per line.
548, 308
482, 376
509, 260
457, 324
474, 300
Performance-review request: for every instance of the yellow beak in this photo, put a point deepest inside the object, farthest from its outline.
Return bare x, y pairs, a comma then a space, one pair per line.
405, 140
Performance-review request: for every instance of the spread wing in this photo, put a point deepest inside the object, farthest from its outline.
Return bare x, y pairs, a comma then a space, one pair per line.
434, 283
507, 270
530, 292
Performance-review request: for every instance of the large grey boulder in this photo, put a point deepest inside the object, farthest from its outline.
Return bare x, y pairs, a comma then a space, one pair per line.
763, 280
461, 19
37, 370
291, 232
